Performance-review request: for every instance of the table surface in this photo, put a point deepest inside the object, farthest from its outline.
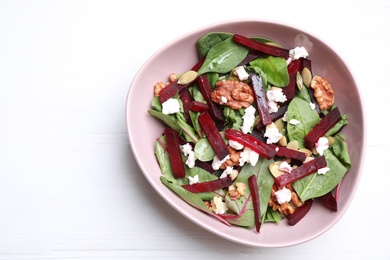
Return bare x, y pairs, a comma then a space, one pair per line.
70, 187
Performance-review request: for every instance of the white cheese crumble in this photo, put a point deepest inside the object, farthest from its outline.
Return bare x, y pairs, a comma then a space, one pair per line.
283, 195
272, 134
187, 151
171, 106
217, 163
293, 121
285, 167
312, 106
298, 52
241, 73
323, 170
275, 95
224, 100
193, 180
247, 155
218, 206
249, 119
321, 145
236, 145
226, 172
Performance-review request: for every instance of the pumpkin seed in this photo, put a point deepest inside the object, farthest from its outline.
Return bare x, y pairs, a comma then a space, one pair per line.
187, 77
306, 77
299, 81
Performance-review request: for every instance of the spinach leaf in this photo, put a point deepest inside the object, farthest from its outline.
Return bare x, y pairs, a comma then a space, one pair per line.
340, 150
223, 57
167, 119
203, 150
272, 216
207, 41
275, 68
243, 206
337, 127
163, 160
316, 185
156, 104
234, 117
300, 110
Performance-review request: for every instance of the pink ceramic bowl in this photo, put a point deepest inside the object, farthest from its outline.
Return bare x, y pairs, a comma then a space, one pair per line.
178, 56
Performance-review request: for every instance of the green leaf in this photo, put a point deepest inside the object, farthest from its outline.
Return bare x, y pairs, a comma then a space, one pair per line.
340, 150
316, 185
275, 68
203, 150
223, 57
167, 119
300, 110
243, 207
191, 198
206, 42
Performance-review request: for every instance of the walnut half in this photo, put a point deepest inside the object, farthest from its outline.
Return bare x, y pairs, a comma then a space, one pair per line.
323, 92
235, 94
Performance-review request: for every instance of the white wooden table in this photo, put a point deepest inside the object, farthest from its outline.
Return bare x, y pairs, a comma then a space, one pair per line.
69, 185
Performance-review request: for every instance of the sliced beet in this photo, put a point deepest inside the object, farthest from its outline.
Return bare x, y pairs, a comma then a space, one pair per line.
288, 153
209, 185
205, 166
301, 171
174, 151
170, 90
263, 149
293, 68
254, 190
299, 213
262, 47
329, 201
319, 130
214, 108
213, 135
186, 99
198, 65
198, 106
261, 99
274, 116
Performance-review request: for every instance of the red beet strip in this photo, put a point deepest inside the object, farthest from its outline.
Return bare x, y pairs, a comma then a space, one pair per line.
214, 109
261, 99
263, 149
329, 201
293, 68
299, 213
209, 185
274, 116
288, 153
198, 106
170, 90
174, 151
262, 47
254, 190
213, 135
319, 130
186, 99
301, 171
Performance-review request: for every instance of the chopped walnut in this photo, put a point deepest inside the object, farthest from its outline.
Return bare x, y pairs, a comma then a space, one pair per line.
173, 77
237, 191
285, 208
234, 159
323, 92
234, 94
158, 87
